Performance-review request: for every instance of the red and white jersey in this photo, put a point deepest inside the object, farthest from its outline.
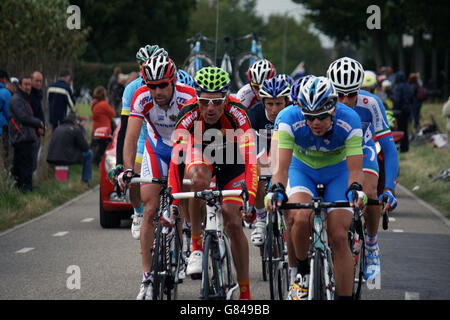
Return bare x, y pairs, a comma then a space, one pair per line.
247, 96
160, 122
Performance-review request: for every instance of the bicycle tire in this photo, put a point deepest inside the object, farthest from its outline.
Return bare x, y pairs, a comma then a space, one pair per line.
318, 276
157, 264
270, 266
359, 255
228, 272
189, 62
263, 254
241, 66
172, 279
211, 288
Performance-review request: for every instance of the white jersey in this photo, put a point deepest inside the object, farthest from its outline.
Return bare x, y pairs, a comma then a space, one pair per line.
247, 96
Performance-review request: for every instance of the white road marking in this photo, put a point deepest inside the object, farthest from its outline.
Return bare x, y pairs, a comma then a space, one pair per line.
61, 234
391, 219
409, 295
24, 250
397, 230
87, 220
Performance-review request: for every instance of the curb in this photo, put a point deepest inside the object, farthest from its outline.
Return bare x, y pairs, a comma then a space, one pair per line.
66, 204
433, 210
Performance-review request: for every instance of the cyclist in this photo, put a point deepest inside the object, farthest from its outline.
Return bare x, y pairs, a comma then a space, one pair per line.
159, 103
258, 72
185, 78
274, 93
318, 141
347, 74
222, 115
142, 55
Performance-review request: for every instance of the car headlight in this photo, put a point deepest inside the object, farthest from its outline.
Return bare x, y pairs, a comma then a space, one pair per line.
110, 162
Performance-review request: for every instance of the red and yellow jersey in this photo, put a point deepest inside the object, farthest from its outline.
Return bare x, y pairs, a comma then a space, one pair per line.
229, 143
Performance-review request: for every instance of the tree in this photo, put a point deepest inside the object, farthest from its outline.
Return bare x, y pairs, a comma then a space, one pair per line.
120, 27
35, 37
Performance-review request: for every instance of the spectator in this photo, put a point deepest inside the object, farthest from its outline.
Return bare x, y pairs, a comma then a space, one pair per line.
24, 129
403, 96
60, 99
68, 146
5, 97
36, 104
114, 94
446, 113
13, 84
102, 115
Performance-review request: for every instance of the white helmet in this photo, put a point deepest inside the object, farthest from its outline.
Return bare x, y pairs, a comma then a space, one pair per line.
316, 94
346, 74
261, 70
158, 68
145, 53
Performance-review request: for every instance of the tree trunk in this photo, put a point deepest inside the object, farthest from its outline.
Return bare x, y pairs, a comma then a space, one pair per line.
400, 53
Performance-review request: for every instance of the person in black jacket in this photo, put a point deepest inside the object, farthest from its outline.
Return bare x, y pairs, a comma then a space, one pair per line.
24, 129
69, 146
60, 99
36, 103
403, 96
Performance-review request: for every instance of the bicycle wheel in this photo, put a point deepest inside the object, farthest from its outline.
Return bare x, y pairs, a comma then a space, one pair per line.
228, 271
318, 281
196, 61
172, 279
263, 253
211, 278
270, 252
241, 65
358, 250
158, 264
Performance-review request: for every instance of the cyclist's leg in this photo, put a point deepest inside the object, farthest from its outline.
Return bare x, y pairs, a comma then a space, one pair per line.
259, 233
370, 169
238, 240
135, 195
200, 173
338, 223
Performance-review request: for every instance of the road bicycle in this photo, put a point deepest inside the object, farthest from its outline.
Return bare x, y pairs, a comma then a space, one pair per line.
238, 72
274, 261
167, 256
218, 273
357, 243
197, 58
322, 284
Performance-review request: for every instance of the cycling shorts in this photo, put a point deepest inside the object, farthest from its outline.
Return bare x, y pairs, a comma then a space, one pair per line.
303, 178
370, 160
156, 161
228, 176
141, 143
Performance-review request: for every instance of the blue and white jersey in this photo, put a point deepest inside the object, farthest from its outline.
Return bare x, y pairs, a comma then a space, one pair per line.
343, 139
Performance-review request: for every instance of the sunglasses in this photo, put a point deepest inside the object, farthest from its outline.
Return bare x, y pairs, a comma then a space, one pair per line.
255, 85
320, 116
161, 85
349, 95
215, 101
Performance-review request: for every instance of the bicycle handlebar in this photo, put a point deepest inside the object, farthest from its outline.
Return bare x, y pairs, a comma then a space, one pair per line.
205, 193
324, 205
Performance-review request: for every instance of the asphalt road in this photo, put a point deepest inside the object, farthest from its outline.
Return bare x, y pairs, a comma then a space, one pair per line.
65, 254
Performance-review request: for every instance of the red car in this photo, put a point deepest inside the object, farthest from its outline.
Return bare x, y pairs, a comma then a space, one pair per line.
113, 206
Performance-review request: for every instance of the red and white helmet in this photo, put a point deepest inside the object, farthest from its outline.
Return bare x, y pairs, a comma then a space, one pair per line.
261, 70
346, 74
158, 68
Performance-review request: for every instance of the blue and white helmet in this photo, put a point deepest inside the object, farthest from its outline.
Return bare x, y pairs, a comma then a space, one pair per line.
286, 77
296, 87
185, 78
317, 94
274, 88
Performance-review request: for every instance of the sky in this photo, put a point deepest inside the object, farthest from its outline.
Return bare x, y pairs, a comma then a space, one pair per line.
268, 7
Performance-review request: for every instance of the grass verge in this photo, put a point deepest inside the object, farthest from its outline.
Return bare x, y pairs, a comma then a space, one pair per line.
424, 160
16, 207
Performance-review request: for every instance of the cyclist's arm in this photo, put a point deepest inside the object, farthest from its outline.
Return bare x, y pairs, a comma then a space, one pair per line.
391, 161
131, 139
248, 150
178, 161
121, 139
282, 145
